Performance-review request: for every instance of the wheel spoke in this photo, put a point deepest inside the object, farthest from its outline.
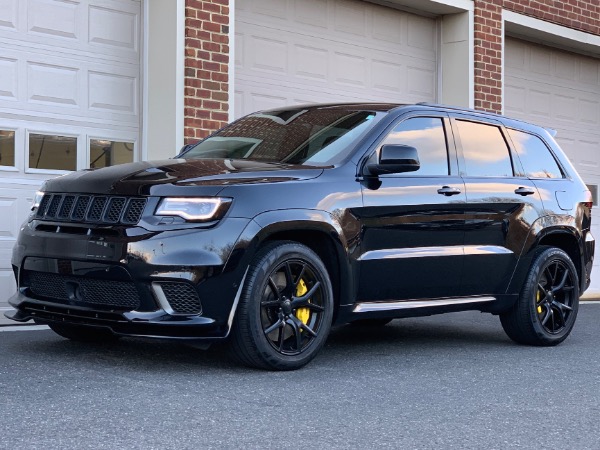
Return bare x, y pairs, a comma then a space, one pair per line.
555, 273
297, 333
274, 288
279, 324
314, 307
269, 303
300, 276
562, 282
547, 316
561, 315
301, 324
281, 338
303, 301
544, 291
289, 281
562, 306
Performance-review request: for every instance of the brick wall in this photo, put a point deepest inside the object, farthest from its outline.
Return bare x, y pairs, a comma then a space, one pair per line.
206, 67
577, 14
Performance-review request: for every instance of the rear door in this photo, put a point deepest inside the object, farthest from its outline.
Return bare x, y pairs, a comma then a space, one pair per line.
502, 204
412, 223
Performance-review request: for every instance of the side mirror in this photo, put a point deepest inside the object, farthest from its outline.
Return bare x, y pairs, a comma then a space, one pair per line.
395, 158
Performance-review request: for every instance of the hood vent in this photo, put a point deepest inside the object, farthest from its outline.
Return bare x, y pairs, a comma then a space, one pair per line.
96, 209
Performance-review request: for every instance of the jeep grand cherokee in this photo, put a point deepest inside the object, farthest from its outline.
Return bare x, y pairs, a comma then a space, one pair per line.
288, 221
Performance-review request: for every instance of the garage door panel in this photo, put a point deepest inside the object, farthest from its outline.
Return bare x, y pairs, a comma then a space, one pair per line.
560, 90
365, 52
68, 68
108, 28
383, 29
9, 70
8, 14
50, 18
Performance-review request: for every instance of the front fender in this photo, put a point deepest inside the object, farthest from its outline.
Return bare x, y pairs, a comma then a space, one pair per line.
283, 224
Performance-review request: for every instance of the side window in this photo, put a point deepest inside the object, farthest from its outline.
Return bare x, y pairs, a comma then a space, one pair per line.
427, 135
536, 158
484, 149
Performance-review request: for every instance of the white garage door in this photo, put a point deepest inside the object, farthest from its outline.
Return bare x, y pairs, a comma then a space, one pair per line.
559, 90
307, 51
69, 98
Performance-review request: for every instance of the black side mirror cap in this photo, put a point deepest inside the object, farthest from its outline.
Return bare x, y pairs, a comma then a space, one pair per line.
395, 158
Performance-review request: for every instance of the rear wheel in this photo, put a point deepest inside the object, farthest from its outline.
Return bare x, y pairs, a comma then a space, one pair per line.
547, 307
285, 312
82, 334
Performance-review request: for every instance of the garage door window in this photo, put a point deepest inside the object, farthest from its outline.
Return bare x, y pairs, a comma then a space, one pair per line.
104, 153
52, 152
536, 158
484, 149
7, 148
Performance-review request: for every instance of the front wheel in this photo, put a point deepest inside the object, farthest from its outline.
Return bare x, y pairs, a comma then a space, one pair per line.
547, 307
285, 311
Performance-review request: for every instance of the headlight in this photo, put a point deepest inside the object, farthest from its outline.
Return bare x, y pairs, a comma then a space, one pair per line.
193, 209
36, 200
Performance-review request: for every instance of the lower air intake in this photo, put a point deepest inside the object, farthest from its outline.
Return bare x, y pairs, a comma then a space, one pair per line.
83, 291
182, 297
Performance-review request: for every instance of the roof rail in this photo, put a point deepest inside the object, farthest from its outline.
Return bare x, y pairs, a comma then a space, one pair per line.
457, 108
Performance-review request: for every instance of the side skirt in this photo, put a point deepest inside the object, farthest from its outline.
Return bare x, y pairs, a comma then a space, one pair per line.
423, 307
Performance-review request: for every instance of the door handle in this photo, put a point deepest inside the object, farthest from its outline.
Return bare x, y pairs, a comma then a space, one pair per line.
524, 191
448, 191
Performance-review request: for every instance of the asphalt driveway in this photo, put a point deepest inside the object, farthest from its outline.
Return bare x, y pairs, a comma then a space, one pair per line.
452, 381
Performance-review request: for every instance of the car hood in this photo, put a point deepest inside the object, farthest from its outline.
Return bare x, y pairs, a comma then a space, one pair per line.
176, 176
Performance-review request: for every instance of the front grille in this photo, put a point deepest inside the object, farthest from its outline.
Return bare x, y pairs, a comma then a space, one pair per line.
182, 298
98, 209
83, 291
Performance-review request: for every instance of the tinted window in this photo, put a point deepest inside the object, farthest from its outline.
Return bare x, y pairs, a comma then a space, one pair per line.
426, 134
537, 160
485, 150
319, 136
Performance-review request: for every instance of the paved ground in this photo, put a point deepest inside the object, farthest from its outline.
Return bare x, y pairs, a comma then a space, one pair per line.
451, 381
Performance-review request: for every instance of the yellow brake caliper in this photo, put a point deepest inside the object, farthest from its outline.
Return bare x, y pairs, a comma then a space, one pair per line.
538, 298
302, 313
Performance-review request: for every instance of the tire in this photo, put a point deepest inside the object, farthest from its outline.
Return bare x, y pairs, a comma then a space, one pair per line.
373, 323
545, 312
285, 312
83, 334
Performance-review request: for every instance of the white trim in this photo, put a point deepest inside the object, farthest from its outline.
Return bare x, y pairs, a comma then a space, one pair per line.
556, 35
231, 65
472, 58
502, 59
144, 81
180, 76
466, 5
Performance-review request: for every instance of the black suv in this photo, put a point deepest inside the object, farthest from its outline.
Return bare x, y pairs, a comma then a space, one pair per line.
288, 221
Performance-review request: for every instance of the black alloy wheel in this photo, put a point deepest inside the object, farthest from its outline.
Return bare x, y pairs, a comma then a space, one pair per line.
547, 307
554, 299
285, 313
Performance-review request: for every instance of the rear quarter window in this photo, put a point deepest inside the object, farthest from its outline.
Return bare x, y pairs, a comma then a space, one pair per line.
536, 158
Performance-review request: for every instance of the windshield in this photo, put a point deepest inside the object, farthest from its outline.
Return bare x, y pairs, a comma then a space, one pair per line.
309, 136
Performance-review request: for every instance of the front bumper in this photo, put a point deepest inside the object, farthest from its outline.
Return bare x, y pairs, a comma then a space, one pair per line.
117, 281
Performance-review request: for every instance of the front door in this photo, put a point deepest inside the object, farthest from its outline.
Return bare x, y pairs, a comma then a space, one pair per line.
412, 223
